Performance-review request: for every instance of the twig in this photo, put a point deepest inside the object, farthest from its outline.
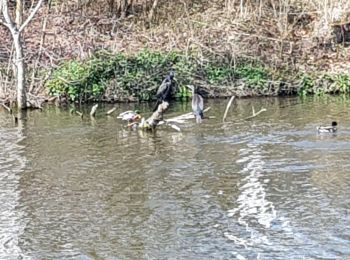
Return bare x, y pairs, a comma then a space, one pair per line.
227, 108
93, 110
255, 114
30, 17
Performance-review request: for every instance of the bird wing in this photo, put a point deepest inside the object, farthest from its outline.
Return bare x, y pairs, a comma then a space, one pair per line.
200, 102
325, 127
162, 88
197, 103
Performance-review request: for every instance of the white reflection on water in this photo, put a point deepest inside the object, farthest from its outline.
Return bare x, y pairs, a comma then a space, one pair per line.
254, 212
12, 163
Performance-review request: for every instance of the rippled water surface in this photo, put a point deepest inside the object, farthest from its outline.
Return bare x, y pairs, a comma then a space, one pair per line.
265, 188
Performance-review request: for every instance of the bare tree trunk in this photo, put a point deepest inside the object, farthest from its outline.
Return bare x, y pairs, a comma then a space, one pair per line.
19, 12
16, 30
20, 68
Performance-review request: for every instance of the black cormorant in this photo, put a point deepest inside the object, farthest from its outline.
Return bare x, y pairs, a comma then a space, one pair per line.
197, 104
165, 89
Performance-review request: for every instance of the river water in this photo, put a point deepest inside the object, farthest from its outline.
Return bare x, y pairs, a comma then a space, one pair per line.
266, 188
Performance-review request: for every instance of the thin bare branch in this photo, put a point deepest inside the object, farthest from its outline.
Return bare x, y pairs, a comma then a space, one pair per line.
8, 21
30, 17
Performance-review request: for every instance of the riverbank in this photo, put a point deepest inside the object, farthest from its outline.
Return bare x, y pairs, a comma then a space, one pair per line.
225, 47
127, 78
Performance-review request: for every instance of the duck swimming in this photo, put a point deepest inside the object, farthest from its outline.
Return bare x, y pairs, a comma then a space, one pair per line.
328, 129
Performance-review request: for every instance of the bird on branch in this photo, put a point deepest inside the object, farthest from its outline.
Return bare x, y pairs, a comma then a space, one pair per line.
165, 89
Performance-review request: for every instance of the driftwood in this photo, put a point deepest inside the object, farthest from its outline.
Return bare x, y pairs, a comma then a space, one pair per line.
227, 108
109, 112
179, 120
79, 113
93, 110
155, 118
255, 114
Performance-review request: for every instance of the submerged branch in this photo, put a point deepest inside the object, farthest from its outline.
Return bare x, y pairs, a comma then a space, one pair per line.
93, 110
7, 108
180, 119
80, 114
227, 108
109, 112
255, 114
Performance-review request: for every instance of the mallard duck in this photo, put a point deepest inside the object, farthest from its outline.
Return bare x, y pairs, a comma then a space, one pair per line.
130, 116
165, 89
197, 104
328, 129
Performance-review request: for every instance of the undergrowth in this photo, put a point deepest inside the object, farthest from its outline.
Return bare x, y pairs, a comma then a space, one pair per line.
119, 77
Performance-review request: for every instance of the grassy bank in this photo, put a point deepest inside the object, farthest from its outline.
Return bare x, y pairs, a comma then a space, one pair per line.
121, 77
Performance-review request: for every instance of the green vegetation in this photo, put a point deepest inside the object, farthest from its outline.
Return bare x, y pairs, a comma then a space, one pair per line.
129, 75
136, 77
139, 75
324, 83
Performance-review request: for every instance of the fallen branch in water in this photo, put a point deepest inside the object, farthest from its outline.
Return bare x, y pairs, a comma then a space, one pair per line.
255, 114
74, 111
93, 110
155, 118
79, 113
227, 108
109, 112
7, 108
180, 119
170, 124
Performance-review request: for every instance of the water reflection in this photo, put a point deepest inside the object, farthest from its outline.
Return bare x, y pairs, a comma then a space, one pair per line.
12, 165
